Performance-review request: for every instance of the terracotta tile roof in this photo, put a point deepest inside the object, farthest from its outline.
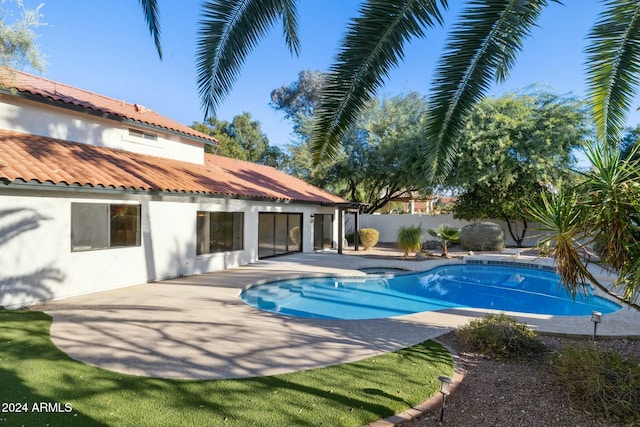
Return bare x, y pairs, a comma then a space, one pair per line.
71, 96
25, 157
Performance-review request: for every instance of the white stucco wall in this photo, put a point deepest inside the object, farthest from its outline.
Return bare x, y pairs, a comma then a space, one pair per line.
40, 119
389, 225
37, 264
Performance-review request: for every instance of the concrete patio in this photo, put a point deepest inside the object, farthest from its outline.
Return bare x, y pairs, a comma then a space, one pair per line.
197, 327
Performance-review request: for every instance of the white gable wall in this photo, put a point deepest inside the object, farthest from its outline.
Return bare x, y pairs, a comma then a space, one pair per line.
37, 264
22, 115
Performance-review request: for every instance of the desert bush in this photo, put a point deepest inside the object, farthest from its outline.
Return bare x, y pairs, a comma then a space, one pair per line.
482, 236
500, 337
409, 239
601, 382
369, 237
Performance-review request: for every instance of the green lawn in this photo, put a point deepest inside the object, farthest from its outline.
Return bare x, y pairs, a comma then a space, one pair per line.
36, 376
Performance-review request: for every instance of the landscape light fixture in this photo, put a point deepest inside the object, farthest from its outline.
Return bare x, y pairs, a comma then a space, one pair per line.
596, 317
445, 389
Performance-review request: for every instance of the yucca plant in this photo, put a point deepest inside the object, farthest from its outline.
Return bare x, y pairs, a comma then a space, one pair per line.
410, 239
604, 209
446, 233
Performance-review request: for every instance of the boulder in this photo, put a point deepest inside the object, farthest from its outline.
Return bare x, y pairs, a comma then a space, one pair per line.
482, 236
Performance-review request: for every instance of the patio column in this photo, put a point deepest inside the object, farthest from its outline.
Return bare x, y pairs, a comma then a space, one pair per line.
356, 236
340, 230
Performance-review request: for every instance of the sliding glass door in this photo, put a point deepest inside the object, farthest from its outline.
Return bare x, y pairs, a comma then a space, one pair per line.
322, 231
279, 233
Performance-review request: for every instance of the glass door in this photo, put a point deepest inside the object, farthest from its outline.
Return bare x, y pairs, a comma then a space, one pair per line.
279, 233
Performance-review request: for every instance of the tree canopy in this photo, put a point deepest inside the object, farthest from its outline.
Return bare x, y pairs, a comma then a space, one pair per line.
301, 97
379, 156
512, 148
18, 47
243, 139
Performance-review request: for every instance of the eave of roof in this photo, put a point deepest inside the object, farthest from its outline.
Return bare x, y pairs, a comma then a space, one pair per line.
18, 83
32, 159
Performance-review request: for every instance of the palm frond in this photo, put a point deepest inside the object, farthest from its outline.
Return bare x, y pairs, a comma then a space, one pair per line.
481, 49
229, 30
290, 26
373, 45
613, 66
151, 15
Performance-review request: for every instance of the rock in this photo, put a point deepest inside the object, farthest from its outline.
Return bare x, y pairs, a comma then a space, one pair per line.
482, 236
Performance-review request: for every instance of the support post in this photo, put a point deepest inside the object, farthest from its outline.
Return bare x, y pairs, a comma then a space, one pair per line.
356, 237
340, 230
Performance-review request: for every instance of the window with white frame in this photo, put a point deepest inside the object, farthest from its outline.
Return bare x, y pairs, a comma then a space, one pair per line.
102, 226
219, 232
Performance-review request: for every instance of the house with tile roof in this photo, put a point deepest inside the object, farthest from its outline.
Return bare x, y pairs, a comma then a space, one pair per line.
98, 193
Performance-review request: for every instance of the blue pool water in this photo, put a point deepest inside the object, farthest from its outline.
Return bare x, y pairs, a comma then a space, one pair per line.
454, 286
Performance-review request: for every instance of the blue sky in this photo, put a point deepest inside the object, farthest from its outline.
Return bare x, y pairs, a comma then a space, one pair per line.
105, 47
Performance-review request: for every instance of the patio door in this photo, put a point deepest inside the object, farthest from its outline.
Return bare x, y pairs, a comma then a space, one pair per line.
322, 231
279, 233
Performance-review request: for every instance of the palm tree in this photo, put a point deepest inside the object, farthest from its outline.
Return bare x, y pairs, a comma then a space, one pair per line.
446, 233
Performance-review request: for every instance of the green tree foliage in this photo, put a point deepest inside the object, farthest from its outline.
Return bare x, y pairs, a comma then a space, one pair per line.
242, 139
18, 47
630, 144
511, 149
379, 159
300, 99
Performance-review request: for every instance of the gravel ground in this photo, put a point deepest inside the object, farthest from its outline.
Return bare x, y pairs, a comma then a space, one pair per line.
516, 393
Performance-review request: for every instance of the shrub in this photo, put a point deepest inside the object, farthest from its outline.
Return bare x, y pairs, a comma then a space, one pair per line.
369, 237
482, 236
350, 237
602, 383
409, 239
500, 337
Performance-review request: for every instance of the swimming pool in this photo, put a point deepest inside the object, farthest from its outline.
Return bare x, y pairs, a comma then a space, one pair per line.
454, 286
